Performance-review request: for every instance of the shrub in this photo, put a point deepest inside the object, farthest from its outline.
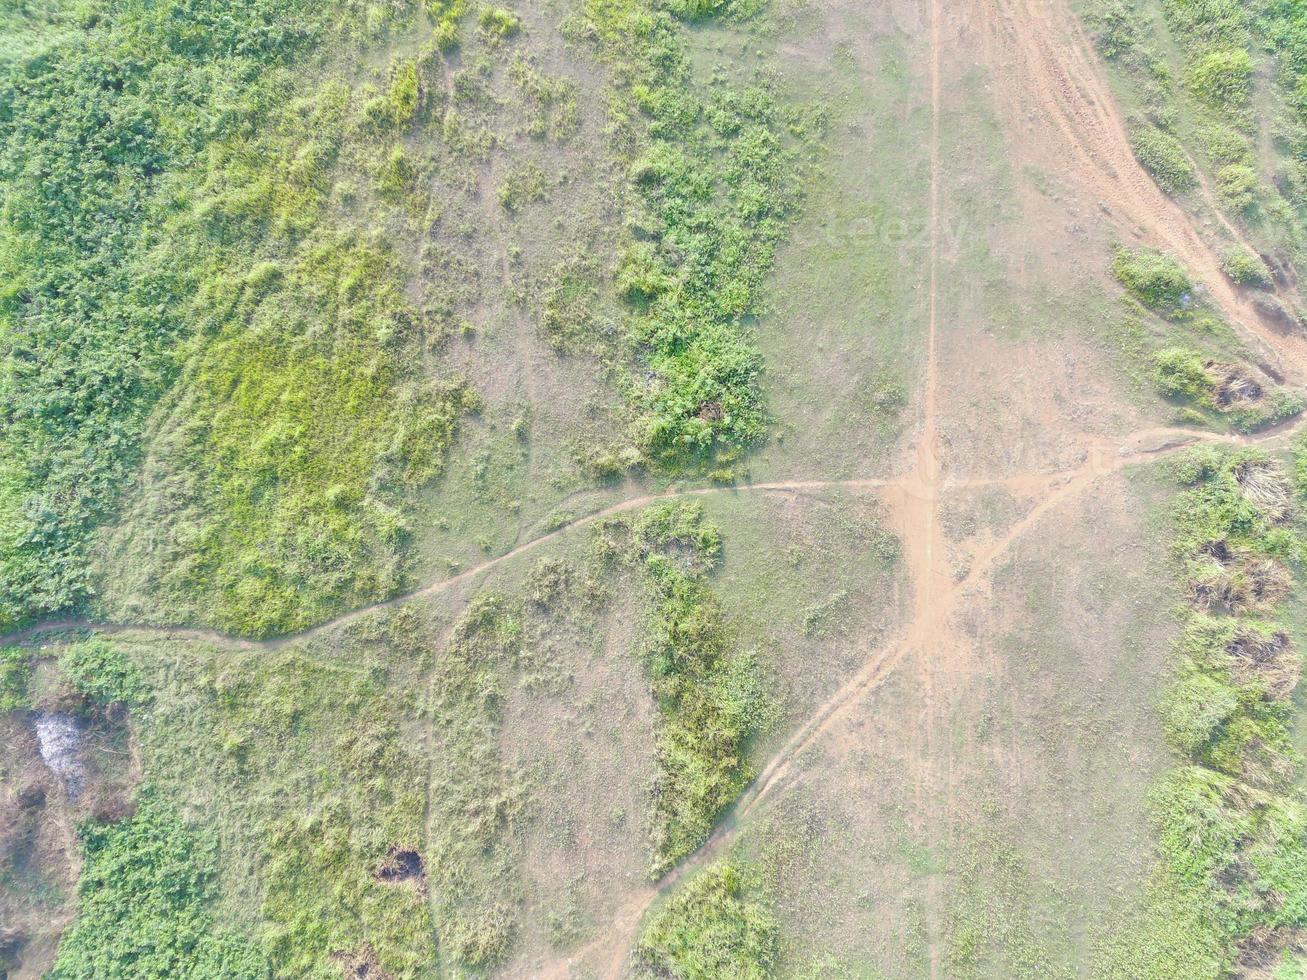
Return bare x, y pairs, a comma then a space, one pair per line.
402, 95
102, 672
696, 9
1245, 267
143, 906
522, 185
710, 695
1162, 156
1237, 186
1223, 79
1180, 374
15, 670
721, 923
1194, 709
1116, 28
1155, 279
498, 23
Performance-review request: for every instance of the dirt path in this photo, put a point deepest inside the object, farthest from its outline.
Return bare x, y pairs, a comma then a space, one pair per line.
1039, 54
908, 489
913, 502
917, 508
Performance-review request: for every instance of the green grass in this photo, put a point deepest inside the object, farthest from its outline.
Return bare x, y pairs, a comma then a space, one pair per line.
145, 905
15, 673
1231, 860
721, 923
304, 774
1162, 155
88, 320
101, 672
166, 236
712, 185
1153, 278
710, 695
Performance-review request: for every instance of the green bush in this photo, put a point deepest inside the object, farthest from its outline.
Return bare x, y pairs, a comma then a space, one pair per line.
1236, 185
1116, 28
696, 9
1194, 709
101, 671
1156, 280
15, 671
1162, 156
1245, 267
402, 95
1223, 79
499, 23
522, 185
711, 697
720, 924
144, 906
714, 174
1180, 374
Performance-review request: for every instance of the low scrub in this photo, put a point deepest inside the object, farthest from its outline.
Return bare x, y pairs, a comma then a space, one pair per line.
1245, 267
712, 180
1158, 281
710, 695
145, 905
1233, 875
1231, 390
721, 923
1161, 155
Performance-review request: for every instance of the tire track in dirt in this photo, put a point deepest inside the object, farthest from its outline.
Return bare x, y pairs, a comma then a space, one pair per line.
1103, 459
927, 632
181, 632
1038, 51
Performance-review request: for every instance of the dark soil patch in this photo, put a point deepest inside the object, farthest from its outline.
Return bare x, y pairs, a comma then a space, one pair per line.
402, 864
361, 964
1263, 952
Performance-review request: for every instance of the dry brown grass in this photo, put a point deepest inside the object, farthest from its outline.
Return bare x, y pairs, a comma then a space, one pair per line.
1241, 585
1233, 386
1266, 486
1263, 951
1270, 659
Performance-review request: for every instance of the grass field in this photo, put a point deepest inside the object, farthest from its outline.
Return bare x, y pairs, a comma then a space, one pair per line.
653, 488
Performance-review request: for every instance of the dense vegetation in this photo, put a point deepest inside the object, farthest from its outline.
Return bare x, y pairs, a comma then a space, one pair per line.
710, 695
166, 231
721, 923
712, 182
302, 775
144, 905
101, 672
1212, 389
1203, 105
1230, 819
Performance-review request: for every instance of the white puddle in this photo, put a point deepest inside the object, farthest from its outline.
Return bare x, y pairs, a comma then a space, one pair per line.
60, 740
